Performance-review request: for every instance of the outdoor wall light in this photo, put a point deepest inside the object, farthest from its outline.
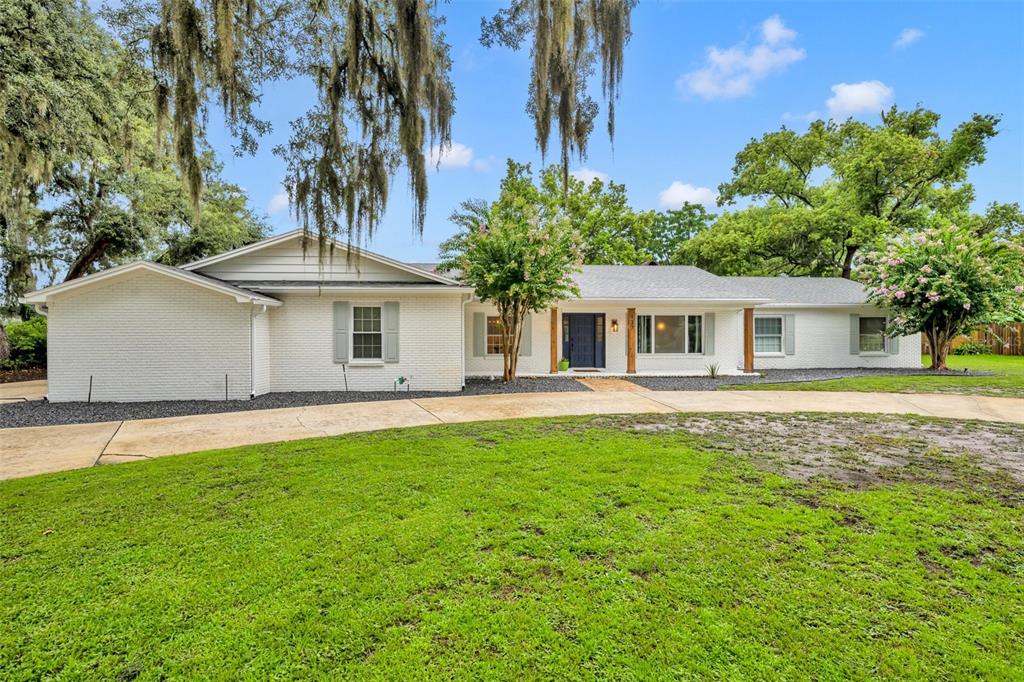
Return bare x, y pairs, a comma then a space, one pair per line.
615, 326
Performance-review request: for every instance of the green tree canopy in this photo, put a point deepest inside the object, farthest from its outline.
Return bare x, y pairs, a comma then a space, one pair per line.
610, 231
89, 182
824, 194
58, 82
102, 215
672, 228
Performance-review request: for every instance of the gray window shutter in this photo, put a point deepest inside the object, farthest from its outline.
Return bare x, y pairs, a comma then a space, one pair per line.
342, 314
854, 334
526, 340
709, 333
789, 330
479, 335
894, 345
389, 319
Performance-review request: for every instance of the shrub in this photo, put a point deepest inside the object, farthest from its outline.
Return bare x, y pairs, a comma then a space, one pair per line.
28, 343
972, 348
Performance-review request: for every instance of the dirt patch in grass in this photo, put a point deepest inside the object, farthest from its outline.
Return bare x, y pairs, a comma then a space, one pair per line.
857, 450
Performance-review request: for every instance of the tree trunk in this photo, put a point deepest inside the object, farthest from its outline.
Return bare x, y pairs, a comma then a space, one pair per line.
938, 344
851, 251
93, 252
511, 316
5, 344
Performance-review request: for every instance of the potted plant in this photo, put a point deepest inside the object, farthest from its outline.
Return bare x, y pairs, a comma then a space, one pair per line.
563, 365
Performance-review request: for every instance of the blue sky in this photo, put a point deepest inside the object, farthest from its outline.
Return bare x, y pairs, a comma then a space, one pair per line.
701, 79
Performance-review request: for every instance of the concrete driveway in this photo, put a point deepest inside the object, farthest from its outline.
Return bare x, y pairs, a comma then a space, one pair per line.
37, 450
22, 390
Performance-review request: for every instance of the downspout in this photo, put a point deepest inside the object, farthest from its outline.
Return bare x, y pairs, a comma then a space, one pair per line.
252, 352
466, 298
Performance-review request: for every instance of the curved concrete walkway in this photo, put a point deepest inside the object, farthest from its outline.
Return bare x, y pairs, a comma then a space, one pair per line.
37, 450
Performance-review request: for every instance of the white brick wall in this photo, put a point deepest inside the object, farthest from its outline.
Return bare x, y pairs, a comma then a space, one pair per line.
823, 341
302, 350
728, 345
147, 337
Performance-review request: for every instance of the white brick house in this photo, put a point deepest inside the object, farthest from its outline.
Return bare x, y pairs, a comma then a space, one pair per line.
274, 316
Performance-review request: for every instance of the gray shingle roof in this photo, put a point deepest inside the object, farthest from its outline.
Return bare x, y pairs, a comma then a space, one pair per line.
678, 282
682, 282
804, 290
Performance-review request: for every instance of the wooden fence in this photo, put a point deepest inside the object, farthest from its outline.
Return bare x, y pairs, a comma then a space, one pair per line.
1001, 339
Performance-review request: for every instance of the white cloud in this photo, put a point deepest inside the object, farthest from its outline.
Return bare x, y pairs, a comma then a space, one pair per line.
679, 193
849, 99
805, 118
588, 175
732, 72
279, 202
775, 31
457, 155
908, 36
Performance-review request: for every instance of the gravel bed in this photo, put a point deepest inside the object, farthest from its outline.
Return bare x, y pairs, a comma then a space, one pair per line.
555, 384
41, 413
780, 376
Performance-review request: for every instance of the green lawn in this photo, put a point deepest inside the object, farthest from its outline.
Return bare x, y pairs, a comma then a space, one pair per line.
622, 548
1008, 380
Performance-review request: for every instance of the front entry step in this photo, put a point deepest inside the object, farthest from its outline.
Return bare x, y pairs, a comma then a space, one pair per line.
610, 384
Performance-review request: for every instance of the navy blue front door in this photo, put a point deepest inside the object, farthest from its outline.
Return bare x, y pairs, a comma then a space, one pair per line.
584, 342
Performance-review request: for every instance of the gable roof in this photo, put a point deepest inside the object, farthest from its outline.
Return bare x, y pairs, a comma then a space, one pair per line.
240, 295
669, 282
805, 291
360, 252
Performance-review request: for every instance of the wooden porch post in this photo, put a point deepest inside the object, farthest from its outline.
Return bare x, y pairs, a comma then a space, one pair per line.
748, 340
631, 340
554, 340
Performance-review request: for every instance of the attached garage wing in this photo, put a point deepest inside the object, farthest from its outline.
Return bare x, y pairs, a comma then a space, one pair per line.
148, 332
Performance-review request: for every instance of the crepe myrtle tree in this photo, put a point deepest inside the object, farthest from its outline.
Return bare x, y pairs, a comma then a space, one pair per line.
943, 281
518, 253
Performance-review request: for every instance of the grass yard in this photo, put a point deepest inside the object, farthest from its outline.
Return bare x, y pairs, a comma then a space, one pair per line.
646, 547
1008, 380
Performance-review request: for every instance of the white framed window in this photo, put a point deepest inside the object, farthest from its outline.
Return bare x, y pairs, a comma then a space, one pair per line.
694, 333
768, 334
495, 345
644, 334
677, 334
367, 338
872, 335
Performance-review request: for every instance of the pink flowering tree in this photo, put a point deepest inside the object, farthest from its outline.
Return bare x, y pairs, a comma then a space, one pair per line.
518, 253
943, 282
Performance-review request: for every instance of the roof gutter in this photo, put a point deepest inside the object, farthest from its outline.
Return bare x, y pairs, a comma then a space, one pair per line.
365, 289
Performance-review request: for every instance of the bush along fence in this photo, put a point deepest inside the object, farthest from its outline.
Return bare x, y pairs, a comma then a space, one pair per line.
998, 339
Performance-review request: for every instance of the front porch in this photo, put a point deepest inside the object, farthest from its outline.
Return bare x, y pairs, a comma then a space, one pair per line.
617, 339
